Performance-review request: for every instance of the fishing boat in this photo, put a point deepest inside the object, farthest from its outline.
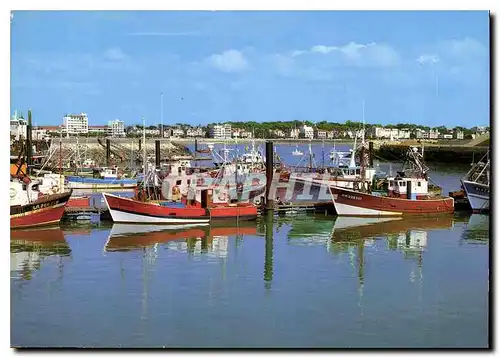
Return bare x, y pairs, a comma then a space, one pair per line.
106, 178
125, 210
407, 195
29, 207
476, 184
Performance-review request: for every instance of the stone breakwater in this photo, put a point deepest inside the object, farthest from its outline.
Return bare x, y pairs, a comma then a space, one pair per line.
124, 151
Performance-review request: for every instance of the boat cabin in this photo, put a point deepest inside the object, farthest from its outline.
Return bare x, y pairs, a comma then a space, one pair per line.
408, 188
22, 193
109, 173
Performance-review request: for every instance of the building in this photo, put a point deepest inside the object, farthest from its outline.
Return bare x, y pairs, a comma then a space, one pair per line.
278, 133
116, 128
321, 134
294, 133
384, 133
195, 132
306, 132
246, 134
220, 131
421, 134
404, 133
458, 134
76, 124
98, 130
433, 134
18, 126
177, 132
445, 136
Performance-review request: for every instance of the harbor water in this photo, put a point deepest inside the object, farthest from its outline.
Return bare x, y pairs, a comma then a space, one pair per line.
292, 281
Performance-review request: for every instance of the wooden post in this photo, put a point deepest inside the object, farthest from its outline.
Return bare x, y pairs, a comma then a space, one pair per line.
269, 174
157, 153
268, 258
370, 153
108, 152
29, 145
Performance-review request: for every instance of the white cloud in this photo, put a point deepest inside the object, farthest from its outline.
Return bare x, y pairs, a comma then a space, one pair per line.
423, 59
229, 61
114, 54
467, 47
371, 54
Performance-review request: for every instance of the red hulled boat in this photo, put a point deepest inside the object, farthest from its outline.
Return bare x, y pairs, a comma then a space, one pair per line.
124, 210
408, 194
29, 207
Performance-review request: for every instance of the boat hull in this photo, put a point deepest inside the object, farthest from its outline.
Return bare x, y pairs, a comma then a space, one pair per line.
46, 211
351, 203
124, 210
75, 182
478, 195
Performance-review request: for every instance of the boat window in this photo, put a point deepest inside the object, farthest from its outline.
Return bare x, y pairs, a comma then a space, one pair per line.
178, 182
189, 181
391, 183
419, 184
357, 171
402, 183
179, 170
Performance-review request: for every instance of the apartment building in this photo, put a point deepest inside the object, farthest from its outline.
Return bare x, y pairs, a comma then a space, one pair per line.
306, 132
220, 131
76, 124
116, 128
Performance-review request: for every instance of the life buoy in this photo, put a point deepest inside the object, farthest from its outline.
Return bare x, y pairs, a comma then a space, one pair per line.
258, 200
355, 185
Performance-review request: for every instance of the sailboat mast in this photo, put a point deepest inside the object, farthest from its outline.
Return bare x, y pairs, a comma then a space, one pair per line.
144, 146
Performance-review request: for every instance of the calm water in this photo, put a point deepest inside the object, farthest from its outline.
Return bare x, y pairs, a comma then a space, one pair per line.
301, 281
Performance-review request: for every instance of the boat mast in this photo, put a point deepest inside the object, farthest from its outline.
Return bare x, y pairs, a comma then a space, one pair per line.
144, 146
61, 183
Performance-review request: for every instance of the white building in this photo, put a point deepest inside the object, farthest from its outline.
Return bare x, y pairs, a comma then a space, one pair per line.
321, 134
294, 133
306, 132
384, 133
220, 131
18, 126
433, 134
76, 124
421, 134
116, 128
195, 132
178, 132
458, 134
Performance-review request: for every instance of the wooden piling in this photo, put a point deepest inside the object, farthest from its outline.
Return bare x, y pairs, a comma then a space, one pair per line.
29, 145
157, 153
269, 174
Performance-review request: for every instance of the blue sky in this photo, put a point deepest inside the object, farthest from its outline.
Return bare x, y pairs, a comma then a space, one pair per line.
430, 68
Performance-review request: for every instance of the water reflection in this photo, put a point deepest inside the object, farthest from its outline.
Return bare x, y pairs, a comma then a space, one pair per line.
194, 240
29, 248
477, 230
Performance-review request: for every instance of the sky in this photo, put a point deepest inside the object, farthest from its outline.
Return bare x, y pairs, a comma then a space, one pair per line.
429, 68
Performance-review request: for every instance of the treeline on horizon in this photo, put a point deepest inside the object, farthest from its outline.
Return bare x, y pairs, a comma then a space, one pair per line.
262, 128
